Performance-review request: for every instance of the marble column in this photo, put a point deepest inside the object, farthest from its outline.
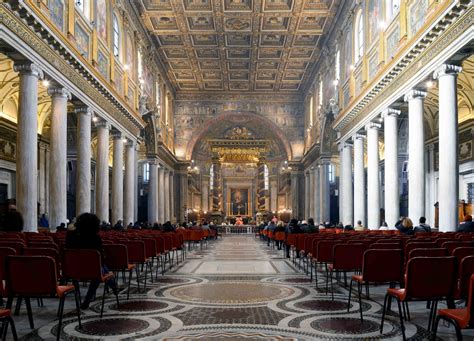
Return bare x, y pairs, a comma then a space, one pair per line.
325, 195
153, 192
129, 184
216, 191
43, 176
295, 194
117, 178
183, 194
205, 195
26, 144
373, 182
416, 155
161, 195
359, 179
102, 171
340, 197
58, 158
392, 196
166, 187
316, 195
347, 190
261, 192
448, 192
172, 204
135, 184
306, 196
83, 173
311, 193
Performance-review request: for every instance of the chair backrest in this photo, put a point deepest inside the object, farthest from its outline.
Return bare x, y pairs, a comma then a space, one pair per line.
461, 252
17, 245
385, 246
47, 244
465, 271
325, 250
169, 240
348, 257
280, 236
50, 252
432, 252
4, 252
82, 265
30, 276
427, 277
383, 265
116, 256
150, 247
470, 303
453, 245
136, 251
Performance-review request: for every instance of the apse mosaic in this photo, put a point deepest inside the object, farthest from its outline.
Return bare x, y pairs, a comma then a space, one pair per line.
239, 34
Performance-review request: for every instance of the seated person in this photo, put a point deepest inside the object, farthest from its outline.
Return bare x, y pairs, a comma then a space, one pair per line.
86, 237
423, 226
467, 225
405, 226
359, 226
311, 228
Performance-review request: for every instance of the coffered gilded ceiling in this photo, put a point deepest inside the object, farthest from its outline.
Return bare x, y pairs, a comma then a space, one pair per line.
238, 45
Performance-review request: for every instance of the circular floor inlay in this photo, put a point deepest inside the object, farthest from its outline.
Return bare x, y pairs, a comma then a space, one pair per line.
345, 325
322, 305
169, 280
134, 306
230, 314
296, 280
231, 292
113, 326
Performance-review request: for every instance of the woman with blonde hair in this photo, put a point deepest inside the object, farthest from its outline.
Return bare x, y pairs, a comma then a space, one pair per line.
405, 226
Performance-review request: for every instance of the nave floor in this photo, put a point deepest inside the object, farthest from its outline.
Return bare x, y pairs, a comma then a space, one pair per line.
236, 289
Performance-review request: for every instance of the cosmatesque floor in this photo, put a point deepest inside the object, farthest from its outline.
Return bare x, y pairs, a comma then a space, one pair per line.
236, 288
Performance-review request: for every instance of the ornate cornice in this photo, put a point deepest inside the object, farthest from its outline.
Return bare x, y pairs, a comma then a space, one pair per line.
33, 34
452, 25
232, 96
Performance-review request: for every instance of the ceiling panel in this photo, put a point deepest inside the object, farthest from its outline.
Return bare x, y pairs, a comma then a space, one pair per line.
238, 45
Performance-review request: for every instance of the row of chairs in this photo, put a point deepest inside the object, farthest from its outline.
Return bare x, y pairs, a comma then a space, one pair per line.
417, 265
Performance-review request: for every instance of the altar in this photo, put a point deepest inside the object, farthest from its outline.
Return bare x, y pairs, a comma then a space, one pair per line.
237, 229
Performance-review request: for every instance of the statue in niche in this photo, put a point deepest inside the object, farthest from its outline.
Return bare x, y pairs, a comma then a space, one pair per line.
333, 108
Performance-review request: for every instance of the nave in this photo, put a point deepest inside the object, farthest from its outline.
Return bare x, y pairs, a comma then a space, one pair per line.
235, 288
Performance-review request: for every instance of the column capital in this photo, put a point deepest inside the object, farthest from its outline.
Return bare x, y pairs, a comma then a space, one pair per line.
373, 125
130, 143
59, 91
414, 94
430, 147
116, 134
358, 136
28, 68
152, 162
446, 69
103, 124
83, 109
389, 112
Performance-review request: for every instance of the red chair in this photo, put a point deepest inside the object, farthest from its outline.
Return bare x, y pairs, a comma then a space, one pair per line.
379, 266
345, 258
453, 245
461, 318
461, 252
324, 256
137, 256
4, 252
35, 277
385, 246
6, 319
86, 266
116, 259
433, 252
425, 280
54, 254
466, 269
18, 246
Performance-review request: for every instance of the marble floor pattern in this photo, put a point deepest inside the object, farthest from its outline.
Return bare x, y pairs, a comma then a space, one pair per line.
236, 288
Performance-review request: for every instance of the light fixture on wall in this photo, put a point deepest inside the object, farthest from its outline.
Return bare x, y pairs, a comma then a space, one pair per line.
429, 84
192, 168
286, 168
45, 83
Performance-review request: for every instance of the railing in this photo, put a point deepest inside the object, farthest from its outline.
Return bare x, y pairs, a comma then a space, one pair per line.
241, 229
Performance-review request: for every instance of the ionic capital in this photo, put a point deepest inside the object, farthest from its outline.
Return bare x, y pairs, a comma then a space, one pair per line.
103, 124
28, 68
373, 126
445, 70
84, 110
414, 94
358, 136
116, 134
59, 91
389, 112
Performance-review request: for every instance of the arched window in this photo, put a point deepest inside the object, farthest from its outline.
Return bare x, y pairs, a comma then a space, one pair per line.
266, 177
116, 36
84, 7
311, 113
391, 9
359, 37
331, 173
140, 65
146, 172
320, 94
157, 94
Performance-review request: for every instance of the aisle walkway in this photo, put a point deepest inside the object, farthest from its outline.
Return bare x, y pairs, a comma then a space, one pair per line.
236, 289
